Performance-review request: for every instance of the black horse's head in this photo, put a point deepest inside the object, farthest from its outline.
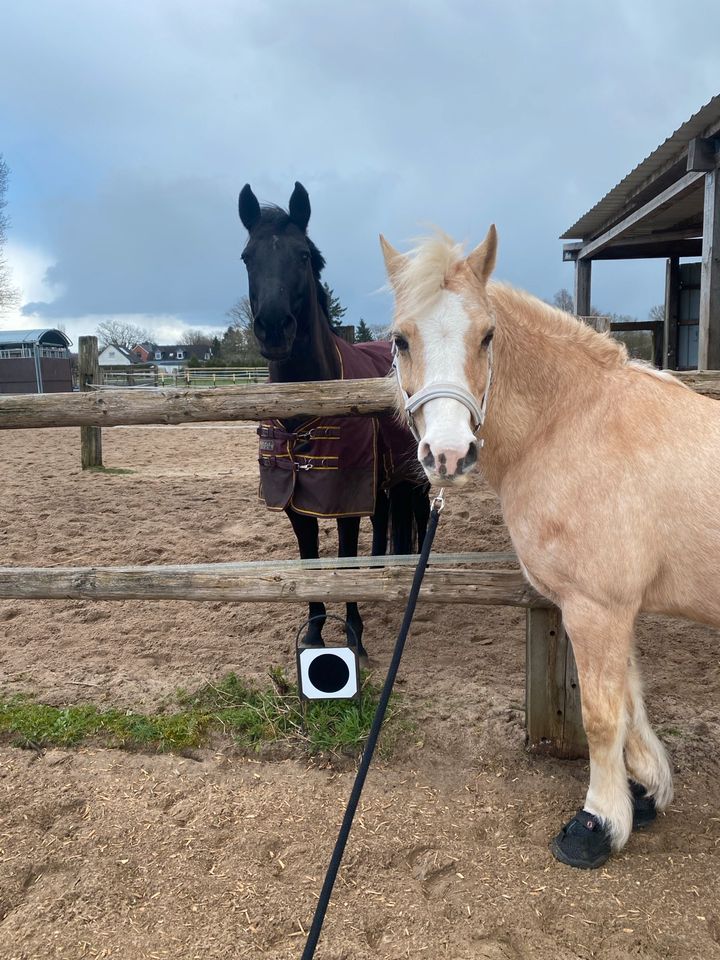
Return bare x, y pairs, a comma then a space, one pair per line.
283, 267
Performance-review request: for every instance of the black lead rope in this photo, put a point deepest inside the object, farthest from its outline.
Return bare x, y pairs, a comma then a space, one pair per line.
337, 855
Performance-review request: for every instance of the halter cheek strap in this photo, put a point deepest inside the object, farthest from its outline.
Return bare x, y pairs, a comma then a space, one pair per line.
446, 390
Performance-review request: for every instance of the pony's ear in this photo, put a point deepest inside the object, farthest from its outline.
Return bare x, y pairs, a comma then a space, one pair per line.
482, 260
248, 208
394, 260
299, 206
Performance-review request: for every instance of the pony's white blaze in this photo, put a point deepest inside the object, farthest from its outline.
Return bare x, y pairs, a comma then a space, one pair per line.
444, 424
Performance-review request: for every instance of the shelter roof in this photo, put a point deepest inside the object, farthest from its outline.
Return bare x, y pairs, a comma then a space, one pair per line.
662, 168
38, 335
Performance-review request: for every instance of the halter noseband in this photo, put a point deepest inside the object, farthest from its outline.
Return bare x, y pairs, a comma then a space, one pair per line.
447, 390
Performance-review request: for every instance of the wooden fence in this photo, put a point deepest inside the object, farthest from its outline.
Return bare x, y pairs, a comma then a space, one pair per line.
552, 694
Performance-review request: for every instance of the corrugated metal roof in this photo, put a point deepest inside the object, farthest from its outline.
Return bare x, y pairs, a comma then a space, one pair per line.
30, 336
704, 123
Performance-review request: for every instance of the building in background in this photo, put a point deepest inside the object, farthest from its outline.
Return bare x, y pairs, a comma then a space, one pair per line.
35, 361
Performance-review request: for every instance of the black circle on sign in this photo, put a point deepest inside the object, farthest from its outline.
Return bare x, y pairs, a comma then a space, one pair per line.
328, 673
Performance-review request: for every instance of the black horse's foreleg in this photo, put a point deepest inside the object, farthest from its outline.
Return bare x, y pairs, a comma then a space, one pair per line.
306, 531
379, 522
348, 533
401, 517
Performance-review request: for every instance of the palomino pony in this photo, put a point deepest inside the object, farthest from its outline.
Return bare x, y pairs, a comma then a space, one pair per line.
608, 472
341, 467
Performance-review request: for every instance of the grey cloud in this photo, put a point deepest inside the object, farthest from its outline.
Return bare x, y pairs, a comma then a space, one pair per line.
393, 115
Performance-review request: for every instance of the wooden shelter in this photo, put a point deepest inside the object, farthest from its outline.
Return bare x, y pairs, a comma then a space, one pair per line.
668, 206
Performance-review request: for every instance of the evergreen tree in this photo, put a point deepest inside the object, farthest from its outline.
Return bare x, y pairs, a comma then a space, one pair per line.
336, 311
363, 333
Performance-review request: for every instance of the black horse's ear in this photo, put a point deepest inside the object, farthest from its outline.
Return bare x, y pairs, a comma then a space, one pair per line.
299, 206
248, 207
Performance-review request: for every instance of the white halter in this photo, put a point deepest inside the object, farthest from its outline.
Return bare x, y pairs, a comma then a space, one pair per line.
451, 391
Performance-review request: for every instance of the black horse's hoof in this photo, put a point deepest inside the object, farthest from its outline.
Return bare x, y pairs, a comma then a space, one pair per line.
583, 842
644, 809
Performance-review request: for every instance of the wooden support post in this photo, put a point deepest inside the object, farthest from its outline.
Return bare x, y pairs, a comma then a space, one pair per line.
672, 306
709, 332
88, 373
583, 275
553, 714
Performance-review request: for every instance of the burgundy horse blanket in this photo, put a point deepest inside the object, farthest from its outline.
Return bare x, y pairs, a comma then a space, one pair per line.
331, 466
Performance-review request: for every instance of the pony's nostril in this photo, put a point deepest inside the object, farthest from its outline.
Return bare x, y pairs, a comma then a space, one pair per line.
470, 458
426, 456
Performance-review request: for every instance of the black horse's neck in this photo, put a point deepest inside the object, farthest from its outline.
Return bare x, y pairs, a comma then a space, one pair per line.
314, 355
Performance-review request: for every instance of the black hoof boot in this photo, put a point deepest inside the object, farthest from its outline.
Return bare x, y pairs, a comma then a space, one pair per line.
644, 809
583, 842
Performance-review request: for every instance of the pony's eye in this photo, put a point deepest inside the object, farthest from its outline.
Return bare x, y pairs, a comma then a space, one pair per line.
487, 339
304, 255
400, 343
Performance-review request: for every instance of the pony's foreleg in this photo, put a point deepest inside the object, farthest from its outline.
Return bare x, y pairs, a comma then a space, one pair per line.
348, 534
306, 532
645, 756
602, 641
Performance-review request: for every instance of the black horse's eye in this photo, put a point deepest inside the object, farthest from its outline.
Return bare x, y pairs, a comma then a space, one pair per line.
400, 343
304, 255
487, 339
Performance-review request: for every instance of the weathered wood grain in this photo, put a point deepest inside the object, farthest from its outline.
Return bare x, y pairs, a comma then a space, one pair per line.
89, 374
187, 405
267, 582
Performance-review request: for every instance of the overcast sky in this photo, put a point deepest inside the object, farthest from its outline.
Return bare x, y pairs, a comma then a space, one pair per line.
129, 129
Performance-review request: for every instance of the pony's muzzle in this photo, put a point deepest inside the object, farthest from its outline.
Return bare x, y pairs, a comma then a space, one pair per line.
446, 462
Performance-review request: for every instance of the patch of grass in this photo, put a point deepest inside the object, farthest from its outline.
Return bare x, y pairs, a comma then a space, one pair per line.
113, 471
250, 716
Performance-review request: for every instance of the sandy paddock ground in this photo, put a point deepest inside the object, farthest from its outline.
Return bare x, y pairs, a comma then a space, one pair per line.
105, 853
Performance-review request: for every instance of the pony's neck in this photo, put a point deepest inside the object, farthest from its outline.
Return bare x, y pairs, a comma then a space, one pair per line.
313, 355
541, 358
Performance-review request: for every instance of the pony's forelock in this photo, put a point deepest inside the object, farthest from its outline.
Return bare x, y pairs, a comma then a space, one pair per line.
424, 269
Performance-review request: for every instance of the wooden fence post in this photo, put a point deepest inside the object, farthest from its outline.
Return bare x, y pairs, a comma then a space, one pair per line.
89, 373
552, 692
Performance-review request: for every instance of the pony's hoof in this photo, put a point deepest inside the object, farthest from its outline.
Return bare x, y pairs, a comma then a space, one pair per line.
644, 809
583, 842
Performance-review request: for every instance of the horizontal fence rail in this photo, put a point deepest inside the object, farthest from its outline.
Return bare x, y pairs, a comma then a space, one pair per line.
335, 398
291, 581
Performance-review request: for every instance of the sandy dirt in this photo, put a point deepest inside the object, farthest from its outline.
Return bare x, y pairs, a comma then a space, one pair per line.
111, 854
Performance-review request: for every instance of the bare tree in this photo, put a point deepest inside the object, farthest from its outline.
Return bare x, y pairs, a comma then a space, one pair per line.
194, 338
239, 346
657, 313
563, 300
9, 294
121, 333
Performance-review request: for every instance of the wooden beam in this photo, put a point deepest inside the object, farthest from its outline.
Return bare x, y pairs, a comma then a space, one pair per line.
268, 582
684, 185
709, 330
672, 306
702, 154
89, 375
646, 248
108, 408
583, 284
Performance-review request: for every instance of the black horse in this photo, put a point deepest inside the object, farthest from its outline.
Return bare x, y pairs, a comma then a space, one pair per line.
291, 323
